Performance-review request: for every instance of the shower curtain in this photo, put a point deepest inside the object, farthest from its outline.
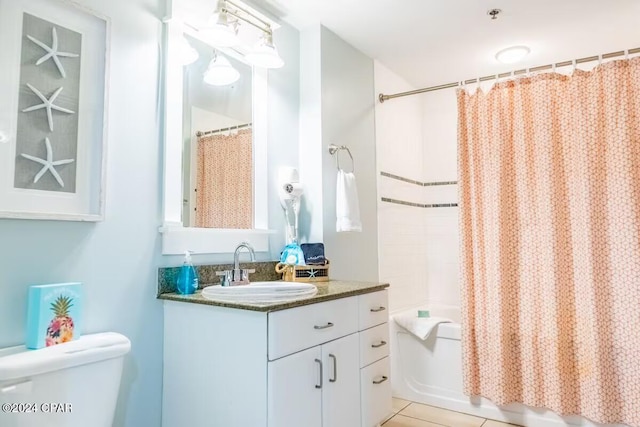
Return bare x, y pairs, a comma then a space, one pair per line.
549, 170
225, 181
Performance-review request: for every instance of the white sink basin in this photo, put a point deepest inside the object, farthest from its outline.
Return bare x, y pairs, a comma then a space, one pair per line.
260, 292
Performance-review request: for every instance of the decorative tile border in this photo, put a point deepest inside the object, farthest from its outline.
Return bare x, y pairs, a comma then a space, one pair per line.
428, 184
418, 183
419, 205
401, 178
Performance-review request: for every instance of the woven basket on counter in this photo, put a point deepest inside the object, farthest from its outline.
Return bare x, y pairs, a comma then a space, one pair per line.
303, 273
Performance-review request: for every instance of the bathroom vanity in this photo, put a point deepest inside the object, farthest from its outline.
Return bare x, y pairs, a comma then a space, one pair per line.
315, 362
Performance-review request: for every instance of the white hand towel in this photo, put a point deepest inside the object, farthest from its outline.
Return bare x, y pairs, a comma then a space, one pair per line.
421, 327
347, 205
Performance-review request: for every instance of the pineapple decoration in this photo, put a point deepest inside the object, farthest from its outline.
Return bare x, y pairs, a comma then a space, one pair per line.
61, 327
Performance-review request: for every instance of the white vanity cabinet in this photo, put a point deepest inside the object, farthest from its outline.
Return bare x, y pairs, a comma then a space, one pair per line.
375, 383
316, 387
318, 365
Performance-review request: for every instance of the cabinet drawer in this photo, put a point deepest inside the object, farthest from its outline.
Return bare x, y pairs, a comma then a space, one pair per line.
374, 344
373, 309
304, 327
375, 389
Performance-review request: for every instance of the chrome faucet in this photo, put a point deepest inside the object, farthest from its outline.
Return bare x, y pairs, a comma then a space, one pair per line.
237, 276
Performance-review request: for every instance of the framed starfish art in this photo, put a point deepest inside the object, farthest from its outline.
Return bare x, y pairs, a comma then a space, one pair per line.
55, 56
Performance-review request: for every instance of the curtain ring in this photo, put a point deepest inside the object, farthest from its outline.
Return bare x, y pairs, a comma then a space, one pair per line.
626, 54
599, 60
528, 72
553, 67
575, 65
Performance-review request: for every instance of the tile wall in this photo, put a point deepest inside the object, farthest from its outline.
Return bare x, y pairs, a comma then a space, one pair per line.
417, 194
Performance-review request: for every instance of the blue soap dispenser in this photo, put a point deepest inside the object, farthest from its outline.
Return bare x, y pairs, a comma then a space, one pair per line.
187, 277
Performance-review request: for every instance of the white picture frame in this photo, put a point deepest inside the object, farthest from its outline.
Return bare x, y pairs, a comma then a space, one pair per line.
81, 195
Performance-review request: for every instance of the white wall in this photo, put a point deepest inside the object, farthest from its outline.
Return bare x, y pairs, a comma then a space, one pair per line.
115, 259
310, 146
348, 119
441, 224
401, 231
337, 107
283, 113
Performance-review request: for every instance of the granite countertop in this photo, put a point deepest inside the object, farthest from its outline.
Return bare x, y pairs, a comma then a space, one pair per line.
333, 289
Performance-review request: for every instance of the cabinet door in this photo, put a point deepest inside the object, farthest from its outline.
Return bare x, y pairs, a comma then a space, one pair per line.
295, 390
341, 385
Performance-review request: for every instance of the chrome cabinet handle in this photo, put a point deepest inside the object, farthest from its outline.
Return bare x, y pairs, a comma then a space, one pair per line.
380, 381
335, 368
379, 345
328, 325
319, 362
377, 310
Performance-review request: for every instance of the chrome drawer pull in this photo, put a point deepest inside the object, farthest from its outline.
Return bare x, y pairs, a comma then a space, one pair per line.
380, 381
377, 310
379, 345
319, 362
328, 325
335, 369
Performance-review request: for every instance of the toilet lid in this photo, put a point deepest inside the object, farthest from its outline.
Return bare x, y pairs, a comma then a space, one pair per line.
20, 362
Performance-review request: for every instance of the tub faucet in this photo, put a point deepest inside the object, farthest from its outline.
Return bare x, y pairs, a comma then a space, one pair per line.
238, 276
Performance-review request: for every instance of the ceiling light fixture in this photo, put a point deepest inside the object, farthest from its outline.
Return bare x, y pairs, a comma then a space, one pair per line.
512, 54
220, 72
264, 53
223, 27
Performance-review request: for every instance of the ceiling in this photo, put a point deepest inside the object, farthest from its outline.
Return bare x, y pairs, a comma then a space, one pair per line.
431, 42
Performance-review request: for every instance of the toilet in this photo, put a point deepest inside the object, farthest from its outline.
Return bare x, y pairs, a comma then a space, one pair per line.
74, 384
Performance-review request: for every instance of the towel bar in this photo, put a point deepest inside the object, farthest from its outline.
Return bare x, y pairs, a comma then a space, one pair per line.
335, 150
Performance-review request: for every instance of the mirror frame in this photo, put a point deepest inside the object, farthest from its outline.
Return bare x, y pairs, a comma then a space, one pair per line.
176, 239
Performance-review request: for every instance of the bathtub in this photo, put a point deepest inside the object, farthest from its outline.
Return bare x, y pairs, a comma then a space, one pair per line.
430, 372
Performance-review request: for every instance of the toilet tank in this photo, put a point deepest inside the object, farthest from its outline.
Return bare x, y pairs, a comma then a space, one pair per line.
74, 384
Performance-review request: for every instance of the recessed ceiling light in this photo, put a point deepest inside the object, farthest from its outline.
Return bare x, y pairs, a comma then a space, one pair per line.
512, 54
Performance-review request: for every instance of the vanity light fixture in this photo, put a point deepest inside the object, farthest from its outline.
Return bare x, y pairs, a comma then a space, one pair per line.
220, 30
220, 72
264, 53
512, 54
223, 27
188, 55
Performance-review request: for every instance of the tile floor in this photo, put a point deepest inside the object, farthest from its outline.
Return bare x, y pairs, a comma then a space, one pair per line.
411, 414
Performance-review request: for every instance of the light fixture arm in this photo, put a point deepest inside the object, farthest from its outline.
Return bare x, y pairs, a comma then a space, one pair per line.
266, 27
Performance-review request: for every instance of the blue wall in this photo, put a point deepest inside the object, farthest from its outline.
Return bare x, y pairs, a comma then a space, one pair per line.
117, 259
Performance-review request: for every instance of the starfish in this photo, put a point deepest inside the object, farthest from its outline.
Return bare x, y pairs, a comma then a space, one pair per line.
48, 104
48, 164
53, 52
312, 273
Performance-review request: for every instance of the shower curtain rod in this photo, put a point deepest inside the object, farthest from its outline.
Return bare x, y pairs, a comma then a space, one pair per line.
209, 132
383, 97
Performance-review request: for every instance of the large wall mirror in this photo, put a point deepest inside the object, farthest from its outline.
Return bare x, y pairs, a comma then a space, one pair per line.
217, 170
216, 128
